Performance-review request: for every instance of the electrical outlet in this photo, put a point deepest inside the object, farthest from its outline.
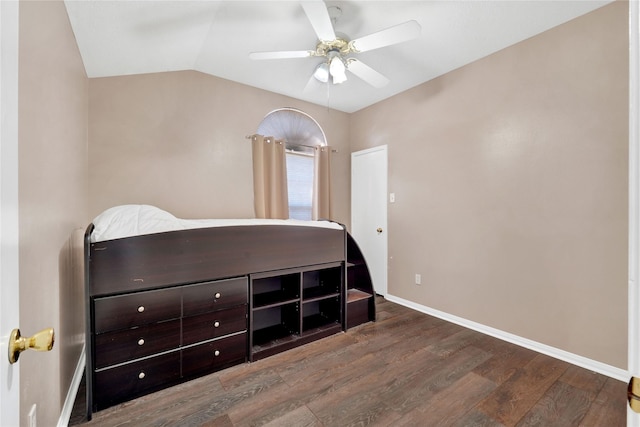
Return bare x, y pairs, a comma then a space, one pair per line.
418, 279
32, 416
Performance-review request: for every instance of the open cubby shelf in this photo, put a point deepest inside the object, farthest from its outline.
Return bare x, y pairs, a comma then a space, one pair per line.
295, 306
354, 295
318, 321
272, 299
292, 307
272, 335
318, 293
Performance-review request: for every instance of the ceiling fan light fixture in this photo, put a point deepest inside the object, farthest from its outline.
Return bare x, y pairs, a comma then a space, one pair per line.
322, 72
337, 69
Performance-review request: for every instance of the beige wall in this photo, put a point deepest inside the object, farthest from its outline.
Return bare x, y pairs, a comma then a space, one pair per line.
53, 108
177, 141
510, 177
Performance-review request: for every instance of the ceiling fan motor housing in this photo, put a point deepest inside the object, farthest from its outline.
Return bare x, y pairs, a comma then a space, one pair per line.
339, 45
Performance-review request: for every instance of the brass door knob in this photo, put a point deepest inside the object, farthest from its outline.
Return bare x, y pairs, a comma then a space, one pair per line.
379, 230
42, 341
633, 394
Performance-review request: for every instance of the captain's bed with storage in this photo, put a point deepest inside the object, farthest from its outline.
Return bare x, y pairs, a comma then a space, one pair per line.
168, 299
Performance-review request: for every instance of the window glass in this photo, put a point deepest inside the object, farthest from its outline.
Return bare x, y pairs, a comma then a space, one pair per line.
300, 183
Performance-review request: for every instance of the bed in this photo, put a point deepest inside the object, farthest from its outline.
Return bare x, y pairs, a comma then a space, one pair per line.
134, 247
170, 299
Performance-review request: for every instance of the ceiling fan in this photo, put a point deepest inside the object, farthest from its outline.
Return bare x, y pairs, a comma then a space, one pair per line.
336, 48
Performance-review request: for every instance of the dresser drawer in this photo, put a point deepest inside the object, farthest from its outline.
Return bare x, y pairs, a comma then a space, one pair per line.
209, 296
135, 379
121, 346
214, 355
126, 311
215, 324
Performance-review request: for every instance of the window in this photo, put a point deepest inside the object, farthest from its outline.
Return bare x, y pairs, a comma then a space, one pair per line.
301, 133
300, 184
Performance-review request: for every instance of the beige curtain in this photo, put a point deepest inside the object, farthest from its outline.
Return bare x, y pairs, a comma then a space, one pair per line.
322, 184
270, 194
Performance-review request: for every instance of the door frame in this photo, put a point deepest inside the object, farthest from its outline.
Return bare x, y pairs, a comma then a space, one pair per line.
633, 419
9, 252
384, 148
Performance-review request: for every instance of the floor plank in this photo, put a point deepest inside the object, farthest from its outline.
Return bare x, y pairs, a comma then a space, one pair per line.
562, 405
446, 407
516, 396
609, 407
301, 417
506, 360
405, 369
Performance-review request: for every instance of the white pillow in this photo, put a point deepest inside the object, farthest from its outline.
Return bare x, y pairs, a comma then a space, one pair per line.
131, 220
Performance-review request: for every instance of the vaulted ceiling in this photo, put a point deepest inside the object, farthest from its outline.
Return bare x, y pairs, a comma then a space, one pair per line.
126, 37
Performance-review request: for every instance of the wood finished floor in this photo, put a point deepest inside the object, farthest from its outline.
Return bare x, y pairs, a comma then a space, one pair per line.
406, 369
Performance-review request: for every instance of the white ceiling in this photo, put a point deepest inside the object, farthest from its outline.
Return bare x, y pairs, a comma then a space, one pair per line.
215, 37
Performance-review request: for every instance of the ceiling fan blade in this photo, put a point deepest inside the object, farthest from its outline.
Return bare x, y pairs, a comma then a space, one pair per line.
397, 34
366, 73
319, 17
284, 54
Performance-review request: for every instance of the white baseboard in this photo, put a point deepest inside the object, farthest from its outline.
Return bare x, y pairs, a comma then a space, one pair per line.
72, 393
583, 362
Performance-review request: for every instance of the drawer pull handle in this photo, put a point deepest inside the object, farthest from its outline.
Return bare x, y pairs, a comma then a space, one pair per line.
216, 353
216, 324
217, 295
141, 309
141, 375
141, 341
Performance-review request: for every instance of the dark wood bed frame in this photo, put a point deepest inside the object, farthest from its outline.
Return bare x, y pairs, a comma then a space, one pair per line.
190, 256
167, 307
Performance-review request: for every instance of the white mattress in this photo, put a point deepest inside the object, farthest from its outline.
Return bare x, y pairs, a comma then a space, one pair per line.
135, 220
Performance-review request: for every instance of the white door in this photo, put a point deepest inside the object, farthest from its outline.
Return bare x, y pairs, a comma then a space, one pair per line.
369, 211
9, 374
633, 418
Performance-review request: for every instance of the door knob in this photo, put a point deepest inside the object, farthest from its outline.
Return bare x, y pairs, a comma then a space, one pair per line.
633, 394
379, 230
42, 341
